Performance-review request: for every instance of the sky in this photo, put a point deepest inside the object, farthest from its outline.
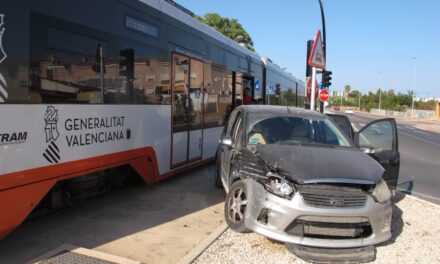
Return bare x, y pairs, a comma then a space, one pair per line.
370, 43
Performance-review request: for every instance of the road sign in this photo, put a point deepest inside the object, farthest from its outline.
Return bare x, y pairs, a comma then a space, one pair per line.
324, 95
257, 85
270, 89
309, 89
317, 58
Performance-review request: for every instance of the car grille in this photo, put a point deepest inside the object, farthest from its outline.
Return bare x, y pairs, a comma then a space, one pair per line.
325, 230
323, 195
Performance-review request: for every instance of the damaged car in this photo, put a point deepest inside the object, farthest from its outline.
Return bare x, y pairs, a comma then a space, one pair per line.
297, 176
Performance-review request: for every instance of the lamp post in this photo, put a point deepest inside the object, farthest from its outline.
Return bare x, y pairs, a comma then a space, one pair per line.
414, 86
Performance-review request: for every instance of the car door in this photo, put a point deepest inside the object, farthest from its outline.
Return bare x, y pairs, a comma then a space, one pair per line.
379, 140
344, 124
236, 145
226, 150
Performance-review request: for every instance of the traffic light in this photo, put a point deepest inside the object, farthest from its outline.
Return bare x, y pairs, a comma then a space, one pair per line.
277, 90
309, 50
126, 65
327, 77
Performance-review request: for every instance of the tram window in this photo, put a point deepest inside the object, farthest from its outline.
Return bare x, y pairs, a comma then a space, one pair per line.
218, 98
152, 81
65, 77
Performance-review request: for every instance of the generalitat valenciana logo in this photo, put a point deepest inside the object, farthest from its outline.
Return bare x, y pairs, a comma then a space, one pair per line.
52, 152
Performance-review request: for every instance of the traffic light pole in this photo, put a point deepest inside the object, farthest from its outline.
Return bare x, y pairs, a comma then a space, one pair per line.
324, 46
312, 95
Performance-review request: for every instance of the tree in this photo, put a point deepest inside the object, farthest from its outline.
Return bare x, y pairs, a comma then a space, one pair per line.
347, 89
228, 27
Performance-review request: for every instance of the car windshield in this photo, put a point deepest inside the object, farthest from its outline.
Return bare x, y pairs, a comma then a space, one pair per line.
294, 130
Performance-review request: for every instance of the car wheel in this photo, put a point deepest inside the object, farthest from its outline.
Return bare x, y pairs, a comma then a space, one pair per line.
235, 207
217, 177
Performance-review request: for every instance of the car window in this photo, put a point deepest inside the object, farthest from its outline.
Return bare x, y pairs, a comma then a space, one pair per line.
378, 135
294, 130
231, 122
237, 132
344, 123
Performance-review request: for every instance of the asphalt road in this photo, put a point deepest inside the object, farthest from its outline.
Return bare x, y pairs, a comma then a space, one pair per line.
420, 156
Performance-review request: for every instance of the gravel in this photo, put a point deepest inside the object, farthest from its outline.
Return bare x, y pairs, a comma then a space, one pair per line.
415, 229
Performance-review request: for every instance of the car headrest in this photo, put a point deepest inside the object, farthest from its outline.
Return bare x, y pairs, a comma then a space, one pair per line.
300, 130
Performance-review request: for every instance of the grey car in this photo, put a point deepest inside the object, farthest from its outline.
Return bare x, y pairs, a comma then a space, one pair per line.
301, 177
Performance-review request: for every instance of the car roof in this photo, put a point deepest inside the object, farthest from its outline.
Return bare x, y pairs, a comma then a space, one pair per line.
280, 110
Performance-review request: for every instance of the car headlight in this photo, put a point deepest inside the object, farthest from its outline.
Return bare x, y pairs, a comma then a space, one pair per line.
381, 192
278, 185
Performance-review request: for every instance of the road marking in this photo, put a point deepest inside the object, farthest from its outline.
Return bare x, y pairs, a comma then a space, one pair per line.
420, 139
410, 127
362, 124
422, 132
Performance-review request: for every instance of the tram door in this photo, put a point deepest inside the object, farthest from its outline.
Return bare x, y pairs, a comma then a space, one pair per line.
187, 110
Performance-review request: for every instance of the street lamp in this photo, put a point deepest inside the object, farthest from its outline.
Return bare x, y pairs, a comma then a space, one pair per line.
414, 86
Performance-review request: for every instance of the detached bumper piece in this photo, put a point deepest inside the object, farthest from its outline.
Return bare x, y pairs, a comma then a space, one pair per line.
326, 255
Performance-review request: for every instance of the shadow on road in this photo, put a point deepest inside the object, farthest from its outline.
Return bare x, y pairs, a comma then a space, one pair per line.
116, 215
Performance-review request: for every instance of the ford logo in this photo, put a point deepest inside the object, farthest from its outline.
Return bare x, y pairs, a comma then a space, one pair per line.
338, 202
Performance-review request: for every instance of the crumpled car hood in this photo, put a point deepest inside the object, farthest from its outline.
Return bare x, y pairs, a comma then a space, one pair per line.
308, 163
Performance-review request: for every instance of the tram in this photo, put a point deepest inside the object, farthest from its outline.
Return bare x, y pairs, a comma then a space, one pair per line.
90, 86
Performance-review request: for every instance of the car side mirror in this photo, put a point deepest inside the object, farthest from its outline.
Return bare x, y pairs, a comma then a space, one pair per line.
367, 149
226, 141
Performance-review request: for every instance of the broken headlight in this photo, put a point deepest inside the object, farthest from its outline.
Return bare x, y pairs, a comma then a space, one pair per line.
278, 185
381, 192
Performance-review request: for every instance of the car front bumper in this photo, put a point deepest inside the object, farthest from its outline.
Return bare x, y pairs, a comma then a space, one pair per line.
280, 213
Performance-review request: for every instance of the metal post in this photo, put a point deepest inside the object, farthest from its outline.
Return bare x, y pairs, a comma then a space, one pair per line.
342, 98
324, 44
380, 97
101, 70
312, 95
414, 87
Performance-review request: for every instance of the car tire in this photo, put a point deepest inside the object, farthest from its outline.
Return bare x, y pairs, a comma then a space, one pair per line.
235, 207
217, 177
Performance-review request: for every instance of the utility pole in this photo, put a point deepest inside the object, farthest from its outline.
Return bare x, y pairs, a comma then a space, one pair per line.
414, 87
380, 89
342, 98
380, 97
360, 94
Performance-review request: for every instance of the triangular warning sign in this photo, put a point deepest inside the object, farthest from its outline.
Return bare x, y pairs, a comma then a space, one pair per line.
317, 58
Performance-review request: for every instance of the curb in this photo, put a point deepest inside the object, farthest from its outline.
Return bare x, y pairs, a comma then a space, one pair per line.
202, 246
421, 200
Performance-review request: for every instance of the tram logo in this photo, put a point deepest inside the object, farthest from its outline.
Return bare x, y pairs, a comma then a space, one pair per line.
3, 56
52, 152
